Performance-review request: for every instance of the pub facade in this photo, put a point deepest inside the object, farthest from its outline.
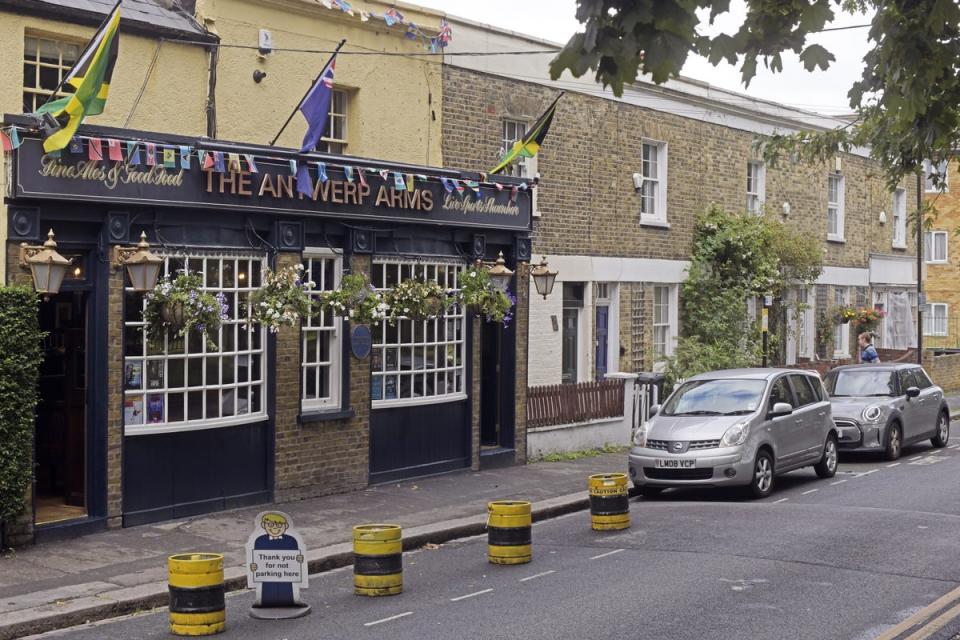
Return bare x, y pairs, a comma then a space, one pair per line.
133, 429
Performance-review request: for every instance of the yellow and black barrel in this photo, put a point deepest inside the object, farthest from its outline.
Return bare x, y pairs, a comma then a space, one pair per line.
197, 605
377, 560
609, 504
508, 532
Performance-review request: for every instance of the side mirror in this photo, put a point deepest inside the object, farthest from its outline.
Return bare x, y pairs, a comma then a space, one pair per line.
913, 392
781, 409
654, 410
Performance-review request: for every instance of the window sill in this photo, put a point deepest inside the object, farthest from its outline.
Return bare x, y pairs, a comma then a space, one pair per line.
654, 222
899, 245
313, 417
837, 239
936, 261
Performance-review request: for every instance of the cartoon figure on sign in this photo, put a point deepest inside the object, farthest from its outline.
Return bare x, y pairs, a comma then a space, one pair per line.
276, 563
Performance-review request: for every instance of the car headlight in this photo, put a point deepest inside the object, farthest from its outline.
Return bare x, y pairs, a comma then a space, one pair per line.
735, 435
872, 414
640, 436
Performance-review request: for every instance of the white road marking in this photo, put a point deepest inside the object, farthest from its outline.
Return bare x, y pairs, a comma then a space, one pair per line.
954, 446
865, 473
895, 464
608, 553
837, 482
780, 500
399, 615
470, 595
539, 575
811, 491
916, 457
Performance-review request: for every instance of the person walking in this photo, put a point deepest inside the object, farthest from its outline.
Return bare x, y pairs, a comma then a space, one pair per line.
868, 352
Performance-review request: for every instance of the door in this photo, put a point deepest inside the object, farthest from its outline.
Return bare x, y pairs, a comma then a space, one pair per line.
61, 422
569, 355
603, 315
929, 403
786, 431
812, 414
912, 412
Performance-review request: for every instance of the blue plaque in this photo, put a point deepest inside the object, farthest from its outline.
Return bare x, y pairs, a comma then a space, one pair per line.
360, 341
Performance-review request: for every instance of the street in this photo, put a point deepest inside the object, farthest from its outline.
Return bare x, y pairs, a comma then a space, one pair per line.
848, 558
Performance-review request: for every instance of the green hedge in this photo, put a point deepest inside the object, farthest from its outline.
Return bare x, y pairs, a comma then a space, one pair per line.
20, 358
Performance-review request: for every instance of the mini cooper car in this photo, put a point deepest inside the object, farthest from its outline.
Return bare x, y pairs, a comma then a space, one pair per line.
883, 407
736, 427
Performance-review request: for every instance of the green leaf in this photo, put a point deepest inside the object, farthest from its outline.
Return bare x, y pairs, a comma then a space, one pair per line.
816, 56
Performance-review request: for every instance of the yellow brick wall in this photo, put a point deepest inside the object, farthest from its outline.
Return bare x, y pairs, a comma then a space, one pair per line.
942, 283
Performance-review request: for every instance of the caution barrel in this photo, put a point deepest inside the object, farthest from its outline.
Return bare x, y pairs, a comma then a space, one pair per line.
609, 504
508, 532
377, 560
197, 605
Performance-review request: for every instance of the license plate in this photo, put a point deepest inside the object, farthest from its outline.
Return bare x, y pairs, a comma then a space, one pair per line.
675, 464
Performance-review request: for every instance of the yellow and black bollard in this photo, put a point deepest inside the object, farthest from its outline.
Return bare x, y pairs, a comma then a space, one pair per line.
377, 560
609, 504
508, 532
197, 605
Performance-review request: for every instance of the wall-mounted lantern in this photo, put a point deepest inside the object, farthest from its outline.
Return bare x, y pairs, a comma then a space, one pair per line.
142, 265
500, 275
46, 264
543, 278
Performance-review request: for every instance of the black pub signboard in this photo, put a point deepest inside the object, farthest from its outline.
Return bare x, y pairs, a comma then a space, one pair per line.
272, 188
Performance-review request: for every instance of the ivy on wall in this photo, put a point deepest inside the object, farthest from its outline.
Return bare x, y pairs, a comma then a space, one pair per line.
20, 358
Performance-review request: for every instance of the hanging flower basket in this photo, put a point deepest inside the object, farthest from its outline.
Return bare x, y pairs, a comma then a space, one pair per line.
355, 300
480, 297
417, 300
868, 319
844, 315
181, 305
282, 300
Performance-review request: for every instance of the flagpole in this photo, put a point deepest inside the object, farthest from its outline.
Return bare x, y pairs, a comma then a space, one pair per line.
312, 85
63, 80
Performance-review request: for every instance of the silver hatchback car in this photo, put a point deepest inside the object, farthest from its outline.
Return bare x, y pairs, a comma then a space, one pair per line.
736, 427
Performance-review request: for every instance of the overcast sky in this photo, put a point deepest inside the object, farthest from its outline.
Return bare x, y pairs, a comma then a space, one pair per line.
823, 91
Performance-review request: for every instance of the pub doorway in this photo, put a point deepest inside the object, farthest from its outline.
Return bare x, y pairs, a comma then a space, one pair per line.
61, 423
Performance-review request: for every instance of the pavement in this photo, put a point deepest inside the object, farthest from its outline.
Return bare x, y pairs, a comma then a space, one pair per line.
60, 584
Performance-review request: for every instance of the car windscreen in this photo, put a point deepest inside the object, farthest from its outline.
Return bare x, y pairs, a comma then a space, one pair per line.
715, 398
860, 382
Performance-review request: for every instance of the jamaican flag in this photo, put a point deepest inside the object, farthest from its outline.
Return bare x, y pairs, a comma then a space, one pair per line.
90, 79
528, 146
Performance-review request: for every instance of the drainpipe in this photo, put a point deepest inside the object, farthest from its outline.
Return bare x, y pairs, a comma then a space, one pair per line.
212, 92
920, 299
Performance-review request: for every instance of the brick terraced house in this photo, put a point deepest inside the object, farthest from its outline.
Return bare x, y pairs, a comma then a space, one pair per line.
621, 182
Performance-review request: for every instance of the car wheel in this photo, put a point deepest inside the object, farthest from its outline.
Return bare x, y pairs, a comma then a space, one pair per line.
943, 431
649, 492
762, 483
894, 442
827, 467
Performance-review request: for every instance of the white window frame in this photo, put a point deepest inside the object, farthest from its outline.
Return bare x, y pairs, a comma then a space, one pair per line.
841, 337
836, 207
511, 131
323, 319
669, 325
930, 247
418, 268
942, 167
204, 354
337, 119
756, 186
37, 94
900, 218
658, 179
937, 324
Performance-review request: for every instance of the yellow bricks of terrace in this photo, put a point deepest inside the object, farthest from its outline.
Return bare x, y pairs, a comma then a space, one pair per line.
197, 606
509, 532
377, 560
609, 501
393, 101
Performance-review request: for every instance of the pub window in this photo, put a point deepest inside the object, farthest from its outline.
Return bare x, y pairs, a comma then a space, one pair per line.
320, 334
334, 139
175, 384
418, 361
45, 63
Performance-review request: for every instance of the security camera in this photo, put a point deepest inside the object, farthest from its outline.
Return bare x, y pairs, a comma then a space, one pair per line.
637, 182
